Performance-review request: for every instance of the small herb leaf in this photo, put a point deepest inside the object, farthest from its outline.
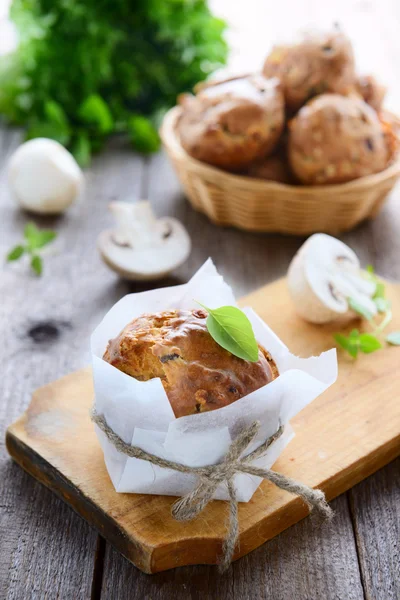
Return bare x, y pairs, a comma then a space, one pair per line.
15, 253
369, 343
360, 309
37, 264
380, 290
393, 338
42, 238
350, 344
232, 330
30, 231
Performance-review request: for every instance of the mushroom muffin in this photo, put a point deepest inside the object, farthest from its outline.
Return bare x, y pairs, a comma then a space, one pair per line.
372, 92
230, 123
272, 168
197, 374
318, 63
334, 139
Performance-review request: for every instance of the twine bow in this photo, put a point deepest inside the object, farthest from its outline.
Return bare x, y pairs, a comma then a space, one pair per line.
209, 477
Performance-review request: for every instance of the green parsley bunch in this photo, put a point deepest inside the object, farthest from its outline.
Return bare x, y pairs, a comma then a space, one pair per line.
85, 69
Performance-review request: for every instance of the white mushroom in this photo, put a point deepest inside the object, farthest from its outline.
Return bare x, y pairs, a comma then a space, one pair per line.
44, 177
143, 247
322, 277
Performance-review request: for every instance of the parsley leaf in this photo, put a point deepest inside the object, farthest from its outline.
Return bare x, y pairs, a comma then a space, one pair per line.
35, 239
15, 253
37, 264
84, 68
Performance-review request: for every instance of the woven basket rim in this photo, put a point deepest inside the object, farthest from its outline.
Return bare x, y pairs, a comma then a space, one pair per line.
172, 143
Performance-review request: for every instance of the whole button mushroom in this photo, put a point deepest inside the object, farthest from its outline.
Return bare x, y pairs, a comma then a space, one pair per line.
322, 277
44, 177
142, 247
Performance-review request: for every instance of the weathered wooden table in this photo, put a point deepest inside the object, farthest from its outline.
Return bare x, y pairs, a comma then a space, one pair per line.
46, 551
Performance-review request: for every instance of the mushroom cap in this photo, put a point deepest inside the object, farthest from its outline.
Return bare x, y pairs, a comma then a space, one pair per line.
335, 139
323, 275
151, 261
44, 177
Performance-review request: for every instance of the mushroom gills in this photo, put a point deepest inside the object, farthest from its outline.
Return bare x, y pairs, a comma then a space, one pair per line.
323, 276
142, 247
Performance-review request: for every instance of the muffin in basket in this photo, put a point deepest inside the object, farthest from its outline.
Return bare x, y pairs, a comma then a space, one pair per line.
371, 91
319, 63
198, 375
334, 139
230, 123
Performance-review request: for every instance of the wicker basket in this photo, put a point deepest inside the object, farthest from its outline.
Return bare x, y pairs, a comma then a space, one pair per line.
259, 205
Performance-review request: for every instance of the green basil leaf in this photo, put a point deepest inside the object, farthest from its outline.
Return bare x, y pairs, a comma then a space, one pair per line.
393, 338
15, 253
143, 134
360, 309
369, 343
348, 344
354, 334
37, 264
232, 330
95, 111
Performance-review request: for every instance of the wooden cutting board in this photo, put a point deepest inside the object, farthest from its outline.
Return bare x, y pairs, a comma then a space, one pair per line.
342, 437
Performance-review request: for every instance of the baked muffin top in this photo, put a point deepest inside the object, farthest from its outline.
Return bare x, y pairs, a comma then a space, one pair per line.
230, 123
334, 139
197, 373
319, 62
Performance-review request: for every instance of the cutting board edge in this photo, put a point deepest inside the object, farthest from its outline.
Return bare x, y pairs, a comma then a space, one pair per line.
151, 559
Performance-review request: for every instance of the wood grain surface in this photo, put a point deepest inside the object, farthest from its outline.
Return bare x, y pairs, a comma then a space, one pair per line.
46, 551
341, 438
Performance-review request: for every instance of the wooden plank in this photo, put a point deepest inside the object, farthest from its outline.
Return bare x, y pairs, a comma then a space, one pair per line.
342, 437
45, 549
305, 561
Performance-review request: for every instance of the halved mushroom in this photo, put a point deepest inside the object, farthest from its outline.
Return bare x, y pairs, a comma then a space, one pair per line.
142, 247
322, 277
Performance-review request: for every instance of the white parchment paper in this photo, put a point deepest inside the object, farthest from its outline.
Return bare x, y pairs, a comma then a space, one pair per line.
142, 415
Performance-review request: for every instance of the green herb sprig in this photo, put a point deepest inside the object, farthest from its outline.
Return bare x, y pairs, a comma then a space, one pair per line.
34, 240
366, 343
84, 69
232, 330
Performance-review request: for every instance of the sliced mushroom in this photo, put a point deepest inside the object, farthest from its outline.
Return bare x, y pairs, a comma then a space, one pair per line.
322, 277
142, 247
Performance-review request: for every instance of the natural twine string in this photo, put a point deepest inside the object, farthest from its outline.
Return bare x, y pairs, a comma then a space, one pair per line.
209, 477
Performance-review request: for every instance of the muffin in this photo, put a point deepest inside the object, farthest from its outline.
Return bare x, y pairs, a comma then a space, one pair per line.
197, 374
231, 123
318, 63
371, 91
334, 139
272, 168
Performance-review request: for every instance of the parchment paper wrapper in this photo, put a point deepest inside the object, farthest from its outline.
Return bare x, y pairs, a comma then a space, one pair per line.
142, 415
